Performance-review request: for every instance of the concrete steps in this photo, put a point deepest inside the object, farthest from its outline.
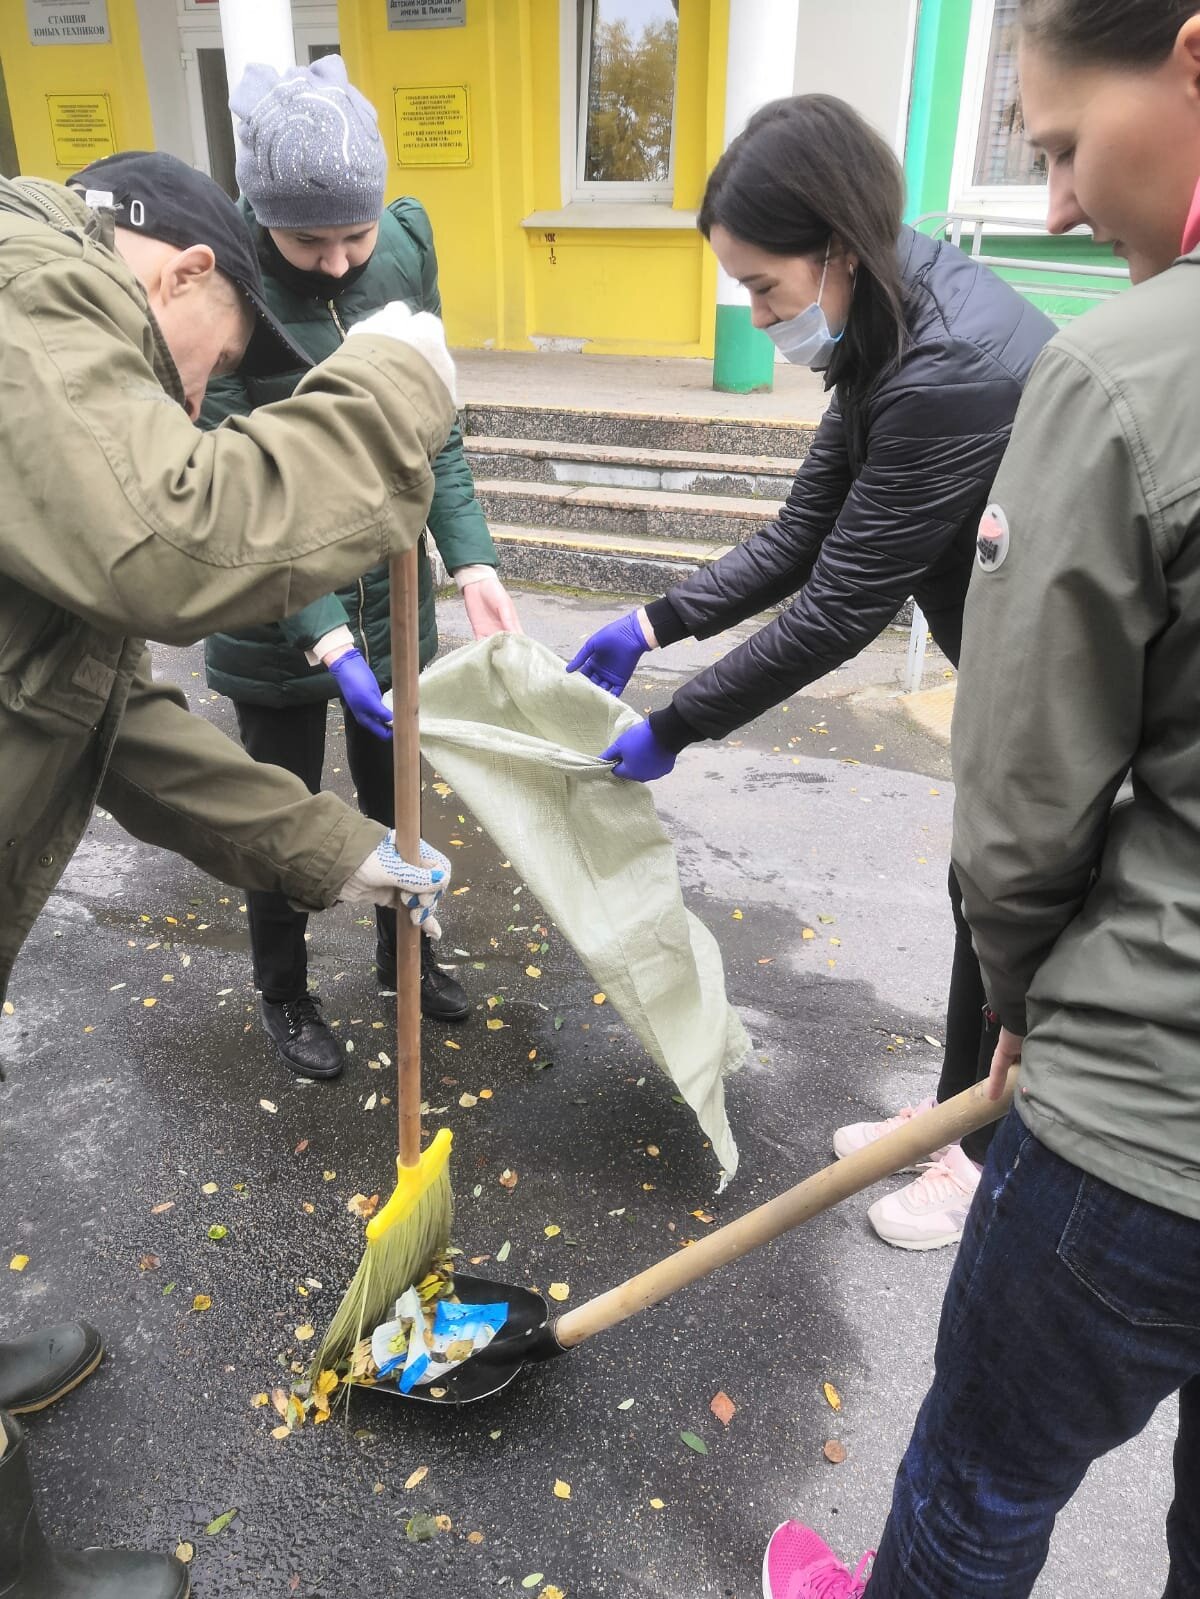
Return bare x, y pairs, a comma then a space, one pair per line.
633, 513
622, 501
615, 466
598, 561
710, 435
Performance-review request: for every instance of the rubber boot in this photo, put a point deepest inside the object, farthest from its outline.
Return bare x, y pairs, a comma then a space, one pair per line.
43, 1366
30, 1569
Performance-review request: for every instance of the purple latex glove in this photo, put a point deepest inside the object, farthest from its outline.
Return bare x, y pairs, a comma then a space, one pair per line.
609, 658
358, 686
639, 755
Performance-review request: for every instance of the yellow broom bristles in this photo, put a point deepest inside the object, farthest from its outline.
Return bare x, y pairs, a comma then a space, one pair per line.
404, 1238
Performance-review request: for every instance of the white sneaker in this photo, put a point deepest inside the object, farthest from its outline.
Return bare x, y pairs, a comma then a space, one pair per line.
857, 1135
932, 1211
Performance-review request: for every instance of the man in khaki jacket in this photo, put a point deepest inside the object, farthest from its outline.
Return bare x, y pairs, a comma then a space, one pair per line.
122, 521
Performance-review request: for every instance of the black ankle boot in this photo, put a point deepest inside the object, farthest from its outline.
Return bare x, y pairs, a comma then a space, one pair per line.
443, 998
30, 1569
43, 1366
302, 1036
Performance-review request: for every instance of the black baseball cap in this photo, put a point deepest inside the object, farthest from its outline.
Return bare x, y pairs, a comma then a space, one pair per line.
159, 195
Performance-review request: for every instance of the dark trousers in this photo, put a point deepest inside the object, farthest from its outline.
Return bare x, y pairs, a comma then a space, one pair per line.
295, 738
970, 1034
1072, 1312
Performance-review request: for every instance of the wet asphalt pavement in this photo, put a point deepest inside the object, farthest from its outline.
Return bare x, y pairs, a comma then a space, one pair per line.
137, 1075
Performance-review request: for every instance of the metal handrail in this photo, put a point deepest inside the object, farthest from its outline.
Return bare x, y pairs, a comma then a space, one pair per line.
953, 223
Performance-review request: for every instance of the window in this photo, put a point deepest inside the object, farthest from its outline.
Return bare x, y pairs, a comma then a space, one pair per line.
995, 169
626, 97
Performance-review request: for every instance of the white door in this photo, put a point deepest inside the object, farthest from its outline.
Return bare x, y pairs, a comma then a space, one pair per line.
208, 87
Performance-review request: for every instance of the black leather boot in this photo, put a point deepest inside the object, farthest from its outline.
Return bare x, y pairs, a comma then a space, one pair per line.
443, 998
30, 1569
45, 1365
302, 1036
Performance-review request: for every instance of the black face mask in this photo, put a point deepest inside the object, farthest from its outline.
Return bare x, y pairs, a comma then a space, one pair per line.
309, 285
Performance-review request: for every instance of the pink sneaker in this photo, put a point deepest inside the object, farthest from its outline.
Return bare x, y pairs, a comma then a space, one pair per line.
930, 1212
857, 1135
797, 1564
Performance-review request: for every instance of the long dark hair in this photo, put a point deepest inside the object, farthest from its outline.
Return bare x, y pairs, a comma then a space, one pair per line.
802, 172
1120, 33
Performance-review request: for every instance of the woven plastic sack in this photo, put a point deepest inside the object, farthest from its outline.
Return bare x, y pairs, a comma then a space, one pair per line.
517, 737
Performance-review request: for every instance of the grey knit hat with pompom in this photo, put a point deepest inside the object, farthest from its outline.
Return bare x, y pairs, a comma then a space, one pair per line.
309, 151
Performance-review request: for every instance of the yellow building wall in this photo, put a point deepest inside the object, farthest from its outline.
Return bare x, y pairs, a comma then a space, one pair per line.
32, 73
619, 291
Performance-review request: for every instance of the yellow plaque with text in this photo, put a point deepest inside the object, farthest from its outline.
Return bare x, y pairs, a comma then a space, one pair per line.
82, 128
433, 127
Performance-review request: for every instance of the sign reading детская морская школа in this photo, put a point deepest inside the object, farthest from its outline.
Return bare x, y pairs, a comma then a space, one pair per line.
67, 21
427, 13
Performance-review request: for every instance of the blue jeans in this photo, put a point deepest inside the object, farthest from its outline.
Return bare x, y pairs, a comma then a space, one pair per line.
1072, 1312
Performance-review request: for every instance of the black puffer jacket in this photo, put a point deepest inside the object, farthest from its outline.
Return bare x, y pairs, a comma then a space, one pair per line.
864, 528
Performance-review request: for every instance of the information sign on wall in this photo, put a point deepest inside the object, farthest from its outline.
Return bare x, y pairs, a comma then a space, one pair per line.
81, 125
433, 127
67, 21
426, 13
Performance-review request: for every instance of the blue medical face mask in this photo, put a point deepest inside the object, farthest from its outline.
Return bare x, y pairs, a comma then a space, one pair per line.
806, 339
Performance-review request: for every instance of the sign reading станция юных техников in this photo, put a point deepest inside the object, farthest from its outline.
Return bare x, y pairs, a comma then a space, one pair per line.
67, 21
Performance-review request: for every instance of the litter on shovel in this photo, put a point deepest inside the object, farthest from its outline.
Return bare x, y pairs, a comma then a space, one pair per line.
415, 1347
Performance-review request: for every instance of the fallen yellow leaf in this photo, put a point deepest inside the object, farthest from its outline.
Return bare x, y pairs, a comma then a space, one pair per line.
552, 1231
474, 1537
467, 1100
185, 1553
494, 1024
442, 1523
808, 933
656, 1504
450, 1044
485, 1093
18, 1263
559, 1290
417, 1476
148, 1002
280, 1432
304, 1332
737, 916
202, 1302
259, 1400
832, 1398
327, 1381
598, 999
209, 1188
562, 1490
533, 971
652, 1149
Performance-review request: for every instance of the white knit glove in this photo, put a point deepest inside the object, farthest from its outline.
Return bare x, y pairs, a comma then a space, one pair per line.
421, 330
386, 878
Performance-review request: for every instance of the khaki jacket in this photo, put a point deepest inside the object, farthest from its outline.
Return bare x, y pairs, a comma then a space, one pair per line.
121, 521
1080, 668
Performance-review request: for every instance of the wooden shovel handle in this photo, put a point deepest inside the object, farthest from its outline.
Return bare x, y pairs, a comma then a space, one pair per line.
914, 1141
406, 778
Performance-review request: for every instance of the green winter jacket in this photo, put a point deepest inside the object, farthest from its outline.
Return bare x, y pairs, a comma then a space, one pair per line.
267, 665
1080, 666
122, 521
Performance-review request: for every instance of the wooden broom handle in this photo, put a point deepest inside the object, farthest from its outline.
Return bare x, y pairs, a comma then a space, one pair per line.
944, 1124
406, 778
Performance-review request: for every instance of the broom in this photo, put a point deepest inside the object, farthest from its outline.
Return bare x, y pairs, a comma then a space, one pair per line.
412, 1230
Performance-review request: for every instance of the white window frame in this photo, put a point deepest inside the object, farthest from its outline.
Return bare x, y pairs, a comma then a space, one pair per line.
1016, 202
576, 73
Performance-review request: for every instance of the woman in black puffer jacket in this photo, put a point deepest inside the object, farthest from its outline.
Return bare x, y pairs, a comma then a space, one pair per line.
927, 353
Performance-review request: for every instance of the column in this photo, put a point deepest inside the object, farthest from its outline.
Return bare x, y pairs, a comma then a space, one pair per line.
256, 30
761, 67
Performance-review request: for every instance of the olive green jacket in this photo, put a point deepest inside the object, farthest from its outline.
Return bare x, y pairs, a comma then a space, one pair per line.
1080, 668
122, 521
267, 665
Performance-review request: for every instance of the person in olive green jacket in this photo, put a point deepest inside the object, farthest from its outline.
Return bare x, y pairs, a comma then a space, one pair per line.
312, 169
123, 521
1073, 1311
